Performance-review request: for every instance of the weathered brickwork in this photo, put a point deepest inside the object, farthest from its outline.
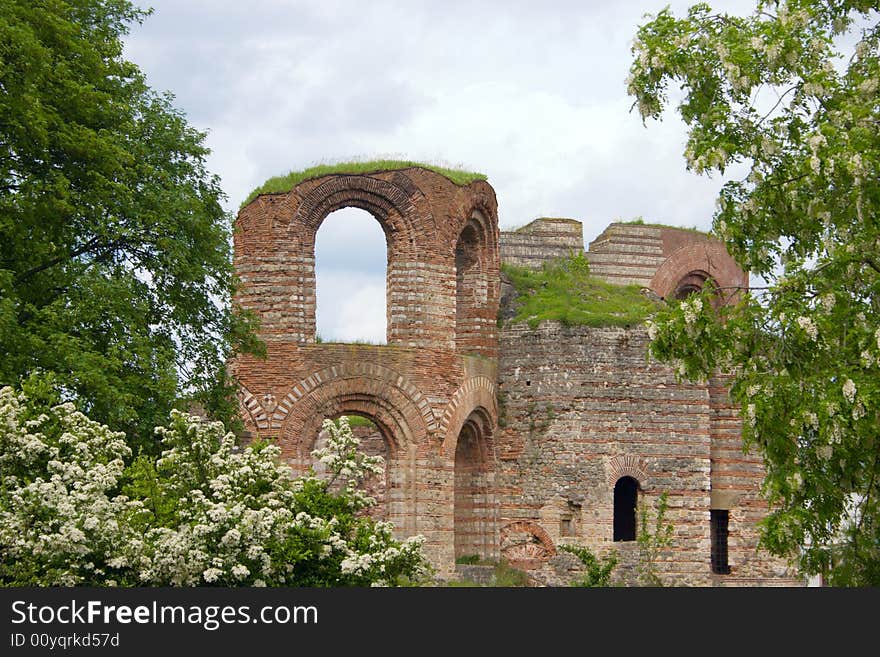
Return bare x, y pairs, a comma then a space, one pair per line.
499, 442
431, 389
583, 407
669, 261
542, 240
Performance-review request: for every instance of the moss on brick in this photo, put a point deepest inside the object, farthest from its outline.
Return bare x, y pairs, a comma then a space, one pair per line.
564, 291
282, 184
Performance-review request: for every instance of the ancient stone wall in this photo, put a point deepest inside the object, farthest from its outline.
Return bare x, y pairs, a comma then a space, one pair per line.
669, 261
582, 407
511, 447
542, 240
672, 262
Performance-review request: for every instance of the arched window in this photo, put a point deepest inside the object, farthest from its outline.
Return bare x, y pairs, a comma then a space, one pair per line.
471, 285
694, 282
351, 262
625, 499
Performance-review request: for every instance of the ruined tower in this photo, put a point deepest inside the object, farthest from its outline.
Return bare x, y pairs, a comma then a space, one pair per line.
505, 438
431, 389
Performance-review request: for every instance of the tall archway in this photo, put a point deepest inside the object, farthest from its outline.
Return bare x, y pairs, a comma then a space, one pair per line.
351, 269
474, 512
471, 283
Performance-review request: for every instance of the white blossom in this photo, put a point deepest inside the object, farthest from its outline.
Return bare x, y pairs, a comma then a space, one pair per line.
750, 415
691, 308
809, 327
811, 420
828, 301
849, 390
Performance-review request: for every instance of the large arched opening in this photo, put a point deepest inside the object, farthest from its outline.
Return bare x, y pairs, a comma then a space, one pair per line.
474, 508
371, 442
351, 269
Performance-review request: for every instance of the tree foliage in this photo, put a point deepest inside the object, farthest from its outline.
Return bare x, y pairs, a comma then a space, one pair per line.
115, 267
204, 513
788, 97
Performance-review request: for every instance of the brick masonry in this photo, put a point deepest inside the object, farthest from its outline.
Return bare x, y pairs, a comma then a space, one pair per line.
499, 442
431, 389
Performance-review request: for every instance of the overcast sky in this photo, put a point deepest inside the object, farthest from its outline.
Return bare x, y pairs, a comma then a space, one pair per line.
530, 93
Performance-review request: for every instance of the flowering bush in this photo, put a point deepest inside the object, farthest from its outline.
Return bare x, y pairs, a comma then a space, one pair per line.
205, 512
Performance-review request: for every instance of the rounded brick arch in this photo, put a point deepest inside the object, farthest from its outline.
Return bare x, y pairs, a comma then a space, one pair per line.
476, 393
525, 542
485, 205
710, 258
391, 204
361, 388
627, 466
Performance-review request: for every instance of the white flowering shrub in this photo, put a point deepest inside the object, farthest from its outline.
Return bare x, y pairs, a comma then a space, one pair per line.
205, 513
60, 521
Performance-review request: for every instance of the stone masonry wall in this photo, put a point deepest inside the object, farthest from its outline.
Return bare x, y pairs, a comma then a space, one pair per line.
500, 441
581, 407
542, 240
660, 258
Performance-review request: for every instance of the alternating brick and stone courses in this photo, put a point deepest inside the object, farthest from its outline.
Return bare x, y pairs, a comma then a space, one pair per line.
501, 440
431, 388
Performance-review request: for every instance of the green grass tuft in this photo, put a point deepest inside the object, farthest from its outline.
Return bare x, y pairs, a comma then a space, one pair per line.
280, 184
564, 291
638, 221
360, 421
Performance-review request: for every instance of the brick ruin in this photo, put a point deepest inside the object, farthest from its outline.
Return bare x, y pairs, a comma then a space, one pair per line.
501, 440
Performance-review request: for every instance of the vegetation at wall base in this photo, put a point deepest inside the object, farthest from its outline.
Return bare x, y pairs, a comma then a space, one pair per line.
205, 513
597, 571
653, 538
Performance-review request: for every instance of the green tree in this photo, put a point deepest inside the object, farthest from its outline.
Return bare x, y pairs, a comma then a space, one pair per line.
115, 267
787, 98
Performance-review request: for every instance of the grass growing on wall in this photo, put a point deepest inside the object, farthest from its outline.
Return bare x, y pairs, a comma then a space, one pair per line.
286, 182
641, 222
564, 291
360, 421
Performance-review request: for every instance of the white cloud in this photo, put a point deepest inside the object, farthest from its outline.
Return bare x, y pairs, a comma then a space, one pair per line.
531, 94
350, 263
